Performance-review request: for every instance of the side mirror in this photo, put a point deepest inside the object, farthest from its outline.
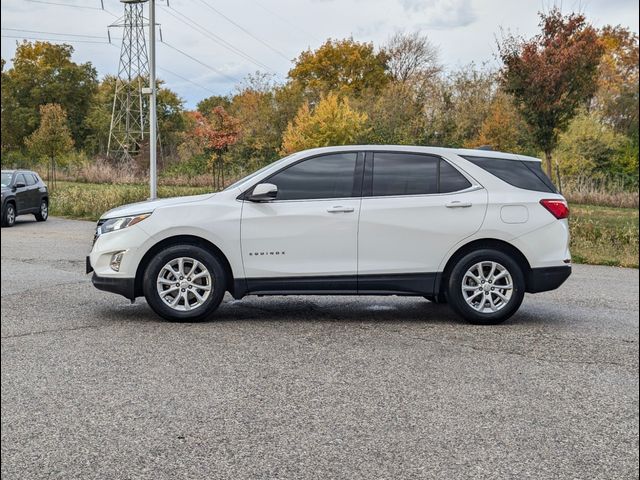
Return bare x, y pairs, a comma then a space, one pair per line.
19, 185
264, 192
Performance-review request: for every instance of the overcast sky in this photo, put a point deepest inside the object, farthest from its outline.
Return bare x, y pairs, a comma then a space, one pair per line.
261, 34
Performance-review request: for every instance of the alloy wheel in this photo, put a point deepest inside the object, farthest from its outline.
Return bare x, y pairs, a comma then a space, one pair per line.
184, 284
487, 287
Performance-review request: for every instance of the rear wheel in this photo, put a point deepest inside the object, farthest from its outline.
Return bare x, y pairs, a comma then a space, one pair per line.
43, 213
184, 283
9, 215
486, 287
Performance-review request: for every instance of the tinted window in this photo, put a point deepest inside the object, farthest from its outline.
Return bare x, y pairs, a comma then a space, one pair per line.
329, 176
404, 174
521, 174
451, 180
20, 179
6, 179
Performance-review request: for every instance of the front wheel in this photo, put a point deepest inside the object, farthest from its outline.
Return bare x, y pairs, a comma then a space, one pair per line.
486, 287
43, 213
184, 283
9, 215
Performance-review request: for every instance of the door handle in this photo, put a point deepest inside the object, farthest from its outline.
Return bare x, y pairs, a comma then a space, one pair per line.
458, 204
340, 209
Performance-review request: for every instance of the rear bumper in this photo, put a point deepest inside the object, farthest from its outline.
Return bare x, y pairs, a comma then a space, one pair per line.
121, 286
548, 278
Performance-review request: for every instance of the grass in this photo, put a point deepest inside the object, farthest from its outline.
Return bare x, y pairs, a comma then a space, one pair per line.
604, 235
87, 201
599, 235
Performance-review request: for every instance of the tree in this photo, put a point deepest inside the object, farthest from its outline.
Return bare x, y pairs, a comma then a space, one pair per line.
457, 105
52, 138
411, 56
255, 108
44, 73
171, 121
590, 146
552, 75
215, 133
395, 115
504, 128
98, 119
617, 96
206, 105
332, 122
346, 67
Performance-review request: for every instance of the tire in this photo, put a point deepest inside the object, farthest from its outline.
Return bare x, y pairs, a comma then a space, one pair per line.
9, 215
166, 268
43, 214
484, 302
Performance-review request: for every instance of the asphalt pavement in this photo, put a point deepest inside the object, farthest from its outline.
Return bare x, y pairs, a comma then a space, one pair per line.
309, 387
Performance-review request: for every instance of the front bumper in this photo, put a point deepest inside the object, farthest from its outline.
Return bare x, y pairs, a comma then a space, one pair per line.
121, 286
547, 278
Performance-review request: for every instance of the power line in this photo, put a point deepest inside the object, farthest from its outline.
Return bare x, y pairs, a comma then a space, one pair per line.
51, 33
215, 38
187, 80
273, 49
285, 20
72, 5
60, 40
213, 69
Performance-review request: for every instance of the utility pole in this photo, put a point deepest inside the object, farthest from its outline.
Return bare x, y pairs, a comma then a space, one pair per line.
153, 132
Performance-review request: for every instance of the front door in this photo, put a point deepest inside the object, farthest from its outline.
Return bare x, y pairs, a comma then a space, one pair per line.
306, 239
415, 208
23, 196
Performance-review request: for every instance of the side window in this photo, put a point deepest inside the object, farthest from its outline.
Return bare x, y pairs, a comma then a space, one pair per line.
451, 180
404, 174
29, 179
522, 174
20, 179
35, 178
328, 176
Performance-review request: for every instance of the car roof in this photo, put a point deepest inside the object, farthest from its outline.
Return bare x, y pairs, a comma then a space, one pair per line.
422, 149
19, 170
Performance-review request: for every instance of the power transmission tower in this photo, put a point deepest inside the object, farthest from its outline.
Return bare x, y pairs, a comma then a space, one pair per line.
128, 119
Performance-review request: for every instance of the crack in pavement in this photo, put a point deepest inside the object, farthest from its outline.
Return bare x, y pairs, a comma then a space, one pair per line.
40, 332
512, 352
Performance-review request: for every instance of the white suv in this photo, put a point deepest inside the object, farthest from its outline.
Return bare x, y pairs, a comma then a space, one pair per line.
473, 228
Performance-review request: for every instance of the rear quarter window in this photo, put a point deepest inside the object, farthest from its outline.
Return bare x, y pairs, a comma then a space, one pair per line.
524, 174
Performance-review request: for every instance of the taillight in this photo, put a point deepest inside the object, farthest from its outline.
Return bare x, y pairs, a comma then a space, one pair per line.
558, 208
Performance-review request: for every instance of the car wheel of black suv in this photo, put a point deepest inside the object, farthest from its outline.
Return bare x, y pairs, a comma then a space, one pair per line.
9, 215
43, 213
184, 283
486, 287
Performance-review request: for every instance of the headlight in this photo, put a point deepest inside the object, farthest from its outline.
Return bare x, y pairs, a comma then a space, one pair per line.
113, 224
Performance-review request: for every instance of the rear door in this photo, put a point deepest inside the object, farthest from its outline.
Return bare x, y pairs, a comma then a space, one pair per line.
415, 208
33, 192
309, 230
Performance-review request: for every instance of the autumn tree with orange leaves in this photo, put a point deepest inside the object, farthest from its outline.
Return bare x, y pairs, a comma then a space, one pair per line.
214, 134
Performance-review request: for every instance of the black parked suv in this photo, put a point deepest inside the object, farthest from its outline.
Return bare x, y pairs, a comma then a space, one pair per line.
23, 192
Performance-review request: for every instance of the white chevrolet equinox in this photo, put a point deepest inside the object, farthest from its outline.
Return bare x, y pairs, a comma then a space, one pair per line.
473, 228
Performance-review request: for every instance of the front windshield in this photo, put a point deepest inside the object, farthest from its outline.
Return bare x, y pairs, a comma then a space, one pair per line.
6, 179
254, 174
